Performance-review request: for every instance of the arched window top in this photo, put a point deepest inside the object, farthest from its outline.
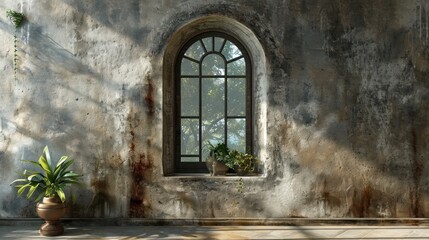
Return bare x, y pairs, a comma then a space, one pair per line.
219, 55
208, 45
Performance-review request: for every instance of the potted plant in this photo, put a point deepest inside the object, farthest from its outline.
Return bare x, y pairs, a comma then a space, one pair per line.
49, 181
17, 19
218, 160
243, 163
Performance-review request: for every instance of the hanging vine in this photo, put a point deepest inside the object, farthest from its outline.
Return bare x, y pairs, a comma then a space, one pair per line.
17, 20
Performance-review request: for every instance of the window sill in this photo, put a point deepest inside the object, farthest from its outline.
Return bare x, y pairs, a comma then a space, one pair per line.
208, 176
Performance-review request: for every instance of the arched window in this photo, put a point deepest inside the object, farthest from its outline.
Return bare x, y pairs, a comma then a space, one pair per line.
213, 67
213, 99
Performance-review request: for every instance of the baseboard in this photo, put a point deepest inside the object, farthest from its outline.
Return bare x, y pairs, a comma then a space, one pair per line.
219, 221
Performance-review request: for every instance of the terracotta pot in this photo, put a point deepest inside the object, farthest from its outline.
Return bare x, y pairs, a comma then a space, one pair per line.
241, 171
219, 168
51, 209
209, 164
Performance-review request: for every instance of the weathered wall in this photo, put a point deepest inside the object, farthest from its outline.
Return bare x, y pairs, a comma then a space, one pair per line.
347, 131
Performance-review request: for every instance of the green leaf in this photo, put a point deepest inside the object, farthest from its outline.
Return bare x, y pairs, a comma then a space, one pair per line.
22, 189
47, 156
61, 195
71, 175
45, 165
70, 181
31, 191
61, 161
33, 162
42, 194
31, 177
59, 170
19, 180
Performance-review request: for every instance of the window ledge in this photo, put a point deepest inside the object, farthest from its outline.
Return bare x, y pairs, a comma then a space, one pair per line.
208, 176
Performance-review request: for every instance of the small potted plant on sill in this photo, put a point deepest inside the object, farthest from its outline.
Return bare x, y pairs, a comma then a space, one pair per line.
49, 181
218, 160
243, 163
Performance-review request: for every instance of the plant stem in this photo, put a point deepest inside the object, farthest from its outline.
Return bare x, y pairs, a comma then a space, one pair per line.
15, 54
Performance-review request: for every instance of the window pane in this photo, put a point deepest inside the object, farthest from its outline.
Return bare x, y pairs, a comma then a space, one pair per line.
189, 88
213, 131
237, 134
213, 64
236, 96
238, 67
213, 110
189, 136
231, 51
189, 159
189, 68
196, 51
208, 43
218, 43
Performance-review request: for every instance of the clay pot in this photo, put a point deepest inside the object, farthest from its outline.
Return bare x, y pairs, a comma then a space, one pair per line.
219, 168
241, 171
51, 209
209, 164
215, 167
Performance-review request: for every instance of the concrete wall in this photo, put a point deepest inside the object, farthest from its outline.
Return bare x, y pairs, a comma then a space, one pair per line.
346, 130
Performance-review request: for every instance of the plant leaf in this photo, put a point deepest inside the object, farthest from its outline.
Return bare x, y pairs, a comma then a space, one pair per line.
33, 162
71, 175
31, 191
22, 189
19, 180
62, 168
61, 195
58, 167
40, 196
47, 156
44, 164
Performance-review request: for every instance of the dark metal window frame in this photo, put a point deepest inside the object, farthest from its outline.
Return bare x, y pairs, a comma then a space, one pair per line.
200, 167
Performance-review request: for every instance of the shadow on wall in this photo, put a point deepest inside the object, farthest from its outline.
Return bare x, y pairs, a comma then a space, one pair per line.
48, 111
126, 19
357, 119
351, 120
360, 131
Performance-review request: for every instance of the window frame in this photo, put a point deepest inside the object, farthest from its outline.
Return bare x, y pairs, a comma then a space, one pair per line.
200, 167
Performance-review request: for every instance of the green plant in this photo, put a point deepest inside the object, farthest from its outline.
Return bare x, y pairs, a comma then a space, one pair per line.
17, 19
50, 180
245, 161
240, 185
220, 151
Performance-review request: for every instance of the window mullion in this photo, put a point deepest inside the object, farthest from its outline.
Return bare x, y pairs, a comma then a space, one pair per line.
200, 128
226, 104
204, 47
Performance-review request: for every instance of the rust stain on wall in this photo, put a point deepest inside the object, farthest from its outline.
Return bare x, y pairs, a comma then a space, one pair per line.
132, 144
141, 165
149, 99
141, 174
101, 201
361, 202
416, 168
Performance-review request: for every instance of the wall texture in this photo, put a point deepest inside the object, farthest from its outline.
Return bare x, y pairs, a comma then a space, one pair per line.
346, 129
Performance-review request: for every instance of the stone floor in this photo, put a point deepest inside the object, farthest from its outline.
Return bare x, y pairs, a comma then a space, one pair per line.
225, 232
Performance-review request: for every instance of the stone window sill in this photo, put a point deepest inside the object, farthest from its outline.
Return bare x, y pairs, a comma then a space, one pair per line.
208, 176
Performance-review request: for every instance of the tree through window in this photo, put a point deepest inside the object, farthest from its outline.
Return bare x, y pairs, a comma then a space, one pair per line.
213, 99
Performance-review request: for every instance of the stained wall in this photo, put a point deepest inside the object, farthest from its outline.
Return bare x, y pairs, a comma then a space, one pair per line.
345, 87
